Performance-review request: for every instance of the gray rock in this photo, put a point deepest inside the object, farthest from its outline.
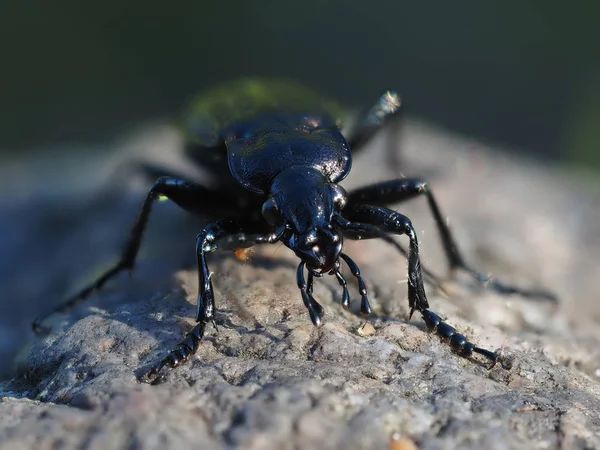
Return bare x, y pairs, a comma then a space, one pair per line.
269, 379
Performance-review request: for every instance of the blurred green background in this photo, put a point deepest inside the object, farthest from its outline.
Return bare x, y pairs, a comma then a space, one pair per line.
521, 73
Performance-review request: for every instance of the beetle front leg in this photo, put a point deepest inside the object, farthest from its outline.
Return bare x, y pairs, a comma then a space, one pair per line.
396, 191
376, 222
182, 352
368, 222
223, 235
218, 235
459, 342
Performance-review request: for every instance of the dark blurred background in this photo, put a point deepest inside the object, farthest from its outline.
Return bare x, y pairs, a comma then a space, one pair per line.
523, 74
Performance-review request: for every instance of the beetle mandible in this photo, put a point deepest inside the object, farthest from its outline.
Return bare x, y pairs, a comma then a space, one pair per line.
278, 156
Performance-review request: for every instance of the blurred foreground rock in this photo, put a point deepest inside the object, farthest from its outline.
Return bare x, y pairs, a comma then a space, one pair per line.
268, 378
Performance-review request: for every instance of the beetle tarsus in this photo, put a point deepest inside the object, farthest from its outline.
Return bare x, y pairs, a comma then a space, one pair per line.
458, 342
182, 353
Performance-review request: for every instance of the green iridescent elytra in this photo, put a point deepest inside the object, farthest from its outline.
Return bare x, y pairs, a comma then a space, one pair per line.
228, 103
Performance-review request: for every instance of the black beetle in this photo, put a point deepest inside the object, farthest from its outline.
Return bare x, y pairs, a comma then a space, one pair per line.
277, 153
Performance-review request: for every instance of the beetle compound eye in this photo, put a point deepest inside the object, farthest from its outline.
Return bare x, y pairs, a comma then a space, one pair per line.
340, 196
271, 212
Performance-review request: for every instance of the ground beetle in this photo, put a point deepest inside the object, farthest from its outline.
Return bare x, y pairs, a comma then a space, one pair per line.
277, 155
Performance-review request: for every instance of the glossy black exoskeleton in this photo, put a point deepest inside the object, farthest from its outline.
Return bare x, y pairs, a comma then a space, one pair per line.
277, 155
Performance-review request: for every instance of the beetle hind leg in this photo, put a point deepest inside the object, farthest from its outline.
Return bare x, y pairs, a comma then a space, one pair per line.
385, 113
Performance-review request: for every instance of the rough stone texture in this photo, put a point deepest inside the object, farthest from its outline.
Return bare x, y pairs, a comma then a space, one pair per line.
268, 378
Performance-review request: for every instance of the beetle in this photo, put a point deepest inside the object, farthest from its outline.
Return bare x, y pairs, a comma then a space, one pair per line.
277, 153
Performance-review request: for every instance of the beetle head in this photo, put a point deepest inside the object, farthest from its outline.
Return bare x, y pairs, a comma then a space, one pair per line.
304, 201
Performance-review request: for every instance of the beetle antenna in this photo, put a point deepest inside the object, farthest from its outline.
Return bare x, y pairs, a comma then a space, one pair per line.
344, 284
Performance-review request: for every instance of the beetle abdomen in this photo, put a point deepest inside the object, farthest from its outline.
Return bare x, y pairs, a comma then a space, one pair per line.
240, 101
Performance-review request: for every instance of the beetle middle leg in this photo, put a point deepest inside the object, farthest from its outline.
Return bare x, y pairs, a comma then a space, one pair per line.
396, 191
190, 196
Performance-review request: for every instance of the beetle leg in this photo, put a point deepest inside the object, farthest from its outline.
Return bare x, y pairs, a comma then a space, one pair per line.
459, 342
386, 111
186, 194
186, 348
218, 235
222, 235
376, 222
396, 191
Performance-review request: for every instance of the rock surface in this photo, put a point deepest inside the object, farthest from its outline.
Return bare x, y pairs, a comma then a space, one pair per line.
269, 379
